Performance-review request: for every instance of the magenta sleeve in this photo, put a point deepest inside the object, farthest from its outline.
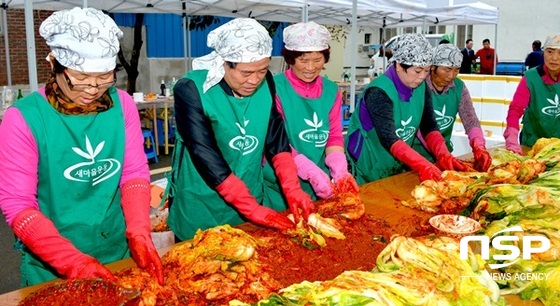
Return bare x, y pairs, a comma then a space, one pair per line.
518, 104
19, 161
335, 121
135, 163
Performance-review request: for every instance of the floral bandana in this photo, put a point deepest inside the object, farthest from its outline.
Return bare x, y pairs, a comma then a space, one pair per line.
241, 40
413, 50
306, 37
447, 55
552, 42
82, 39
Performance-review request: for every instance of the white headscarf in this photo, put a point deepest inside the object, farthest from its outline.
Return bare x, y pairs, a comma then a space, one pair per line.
242, 40
448, 55
306, 37
414, 50
83, 39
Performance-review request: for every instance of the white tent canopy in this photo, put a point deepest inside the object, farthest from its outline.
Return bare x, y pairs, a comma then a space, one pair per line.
373, 13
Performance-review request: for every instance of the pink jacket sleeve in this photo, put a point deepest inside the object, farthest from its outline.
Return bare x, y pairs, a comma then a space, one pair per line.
518, 104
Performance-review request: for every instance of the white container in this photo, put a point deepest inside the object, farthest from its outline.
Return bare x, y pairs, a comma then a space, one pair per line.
138, 96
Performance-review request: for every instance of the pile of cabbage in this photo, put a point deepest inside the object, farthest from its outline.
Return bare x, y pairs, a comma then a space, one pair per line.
525, 210
410, 271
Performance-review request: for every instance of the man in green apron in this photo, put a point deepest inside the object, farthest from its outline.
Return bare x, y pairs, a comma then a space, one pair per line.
450, 97
391, 110
537, 99
74, 177
311, 106
227, 124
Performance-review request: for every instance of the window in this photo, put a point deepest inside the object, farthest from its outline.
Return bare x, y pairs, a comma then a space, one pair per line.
464, 32
367, 38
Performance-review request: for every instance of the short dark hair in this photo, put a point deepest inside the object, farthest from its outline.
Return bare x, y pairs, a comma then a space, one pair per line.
486, 40
444, 41
231, 65
537, 44
468, 41
290, 56
404, 66
57, 67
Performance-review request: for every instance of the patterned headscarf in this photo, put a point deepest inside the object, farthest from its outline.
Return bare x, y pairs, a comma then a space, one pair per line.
241, 40
83, 39
552, 42
306, 37
447, 55
413, 49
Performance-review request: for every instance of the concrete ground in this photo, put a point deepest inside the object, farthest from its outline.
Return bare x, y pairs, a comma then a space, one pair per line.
10, 258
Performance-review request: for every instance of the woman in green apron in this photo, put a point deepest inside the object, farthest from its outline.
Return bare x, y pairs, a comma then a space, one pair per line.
227, 124
536, 99
74, 179
450, 97
393, 107
311, 106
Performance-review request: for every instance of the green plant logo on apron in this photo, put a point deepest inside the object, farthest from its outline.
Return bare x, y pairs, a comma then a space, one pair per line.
244, 143
443, 121
91, 170
314, 134
553, 109
406, 132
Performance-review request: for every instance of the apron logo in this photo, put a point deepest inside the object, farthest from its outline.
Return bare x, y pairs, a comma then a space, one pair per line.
405, 132
92, 171
443, 121
244, 143
554, 109
314, 135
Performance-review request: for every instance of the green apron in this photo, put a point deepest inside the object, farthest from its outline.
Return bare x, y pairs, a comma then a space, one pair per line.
80, 166
240, 127
542, 116
374, 162
307, 124
446, 107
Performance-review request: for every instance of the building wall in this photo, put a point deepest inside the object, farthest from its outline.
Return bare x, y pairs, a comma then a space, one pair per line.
18, 49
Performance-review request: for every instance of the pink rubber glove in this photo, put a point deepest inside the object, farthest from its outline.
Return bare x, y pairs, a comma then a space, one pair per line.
512, 140
40, 235
336, 161
135, 202
319, 180
482, 159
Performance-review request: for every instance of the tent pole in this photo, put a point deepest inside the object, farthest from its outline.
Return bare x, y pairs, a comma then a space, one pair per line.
85, 3
495, 48
305, 12
6, 43
30, 37
353, 43
189, 51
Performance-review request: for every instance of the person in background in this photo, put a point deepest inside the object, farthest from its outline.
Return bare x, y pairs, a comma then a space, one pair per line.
74, 179
311, 107
227, 124
534, 58
468, 57
536, 100
486, 55
450, 97
392, 109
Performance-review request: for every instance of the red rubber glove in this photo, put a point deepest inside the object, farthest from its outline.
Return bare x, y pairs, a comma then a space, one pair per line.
235, 192
319, 180
39, 234
512, 140
482, 159
135, 202
286, 171
336, 161
444, 159
417, 162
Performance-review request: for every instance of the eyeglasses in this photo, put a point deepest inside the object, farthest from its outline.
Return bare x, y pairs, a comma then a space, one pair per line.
87, 87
